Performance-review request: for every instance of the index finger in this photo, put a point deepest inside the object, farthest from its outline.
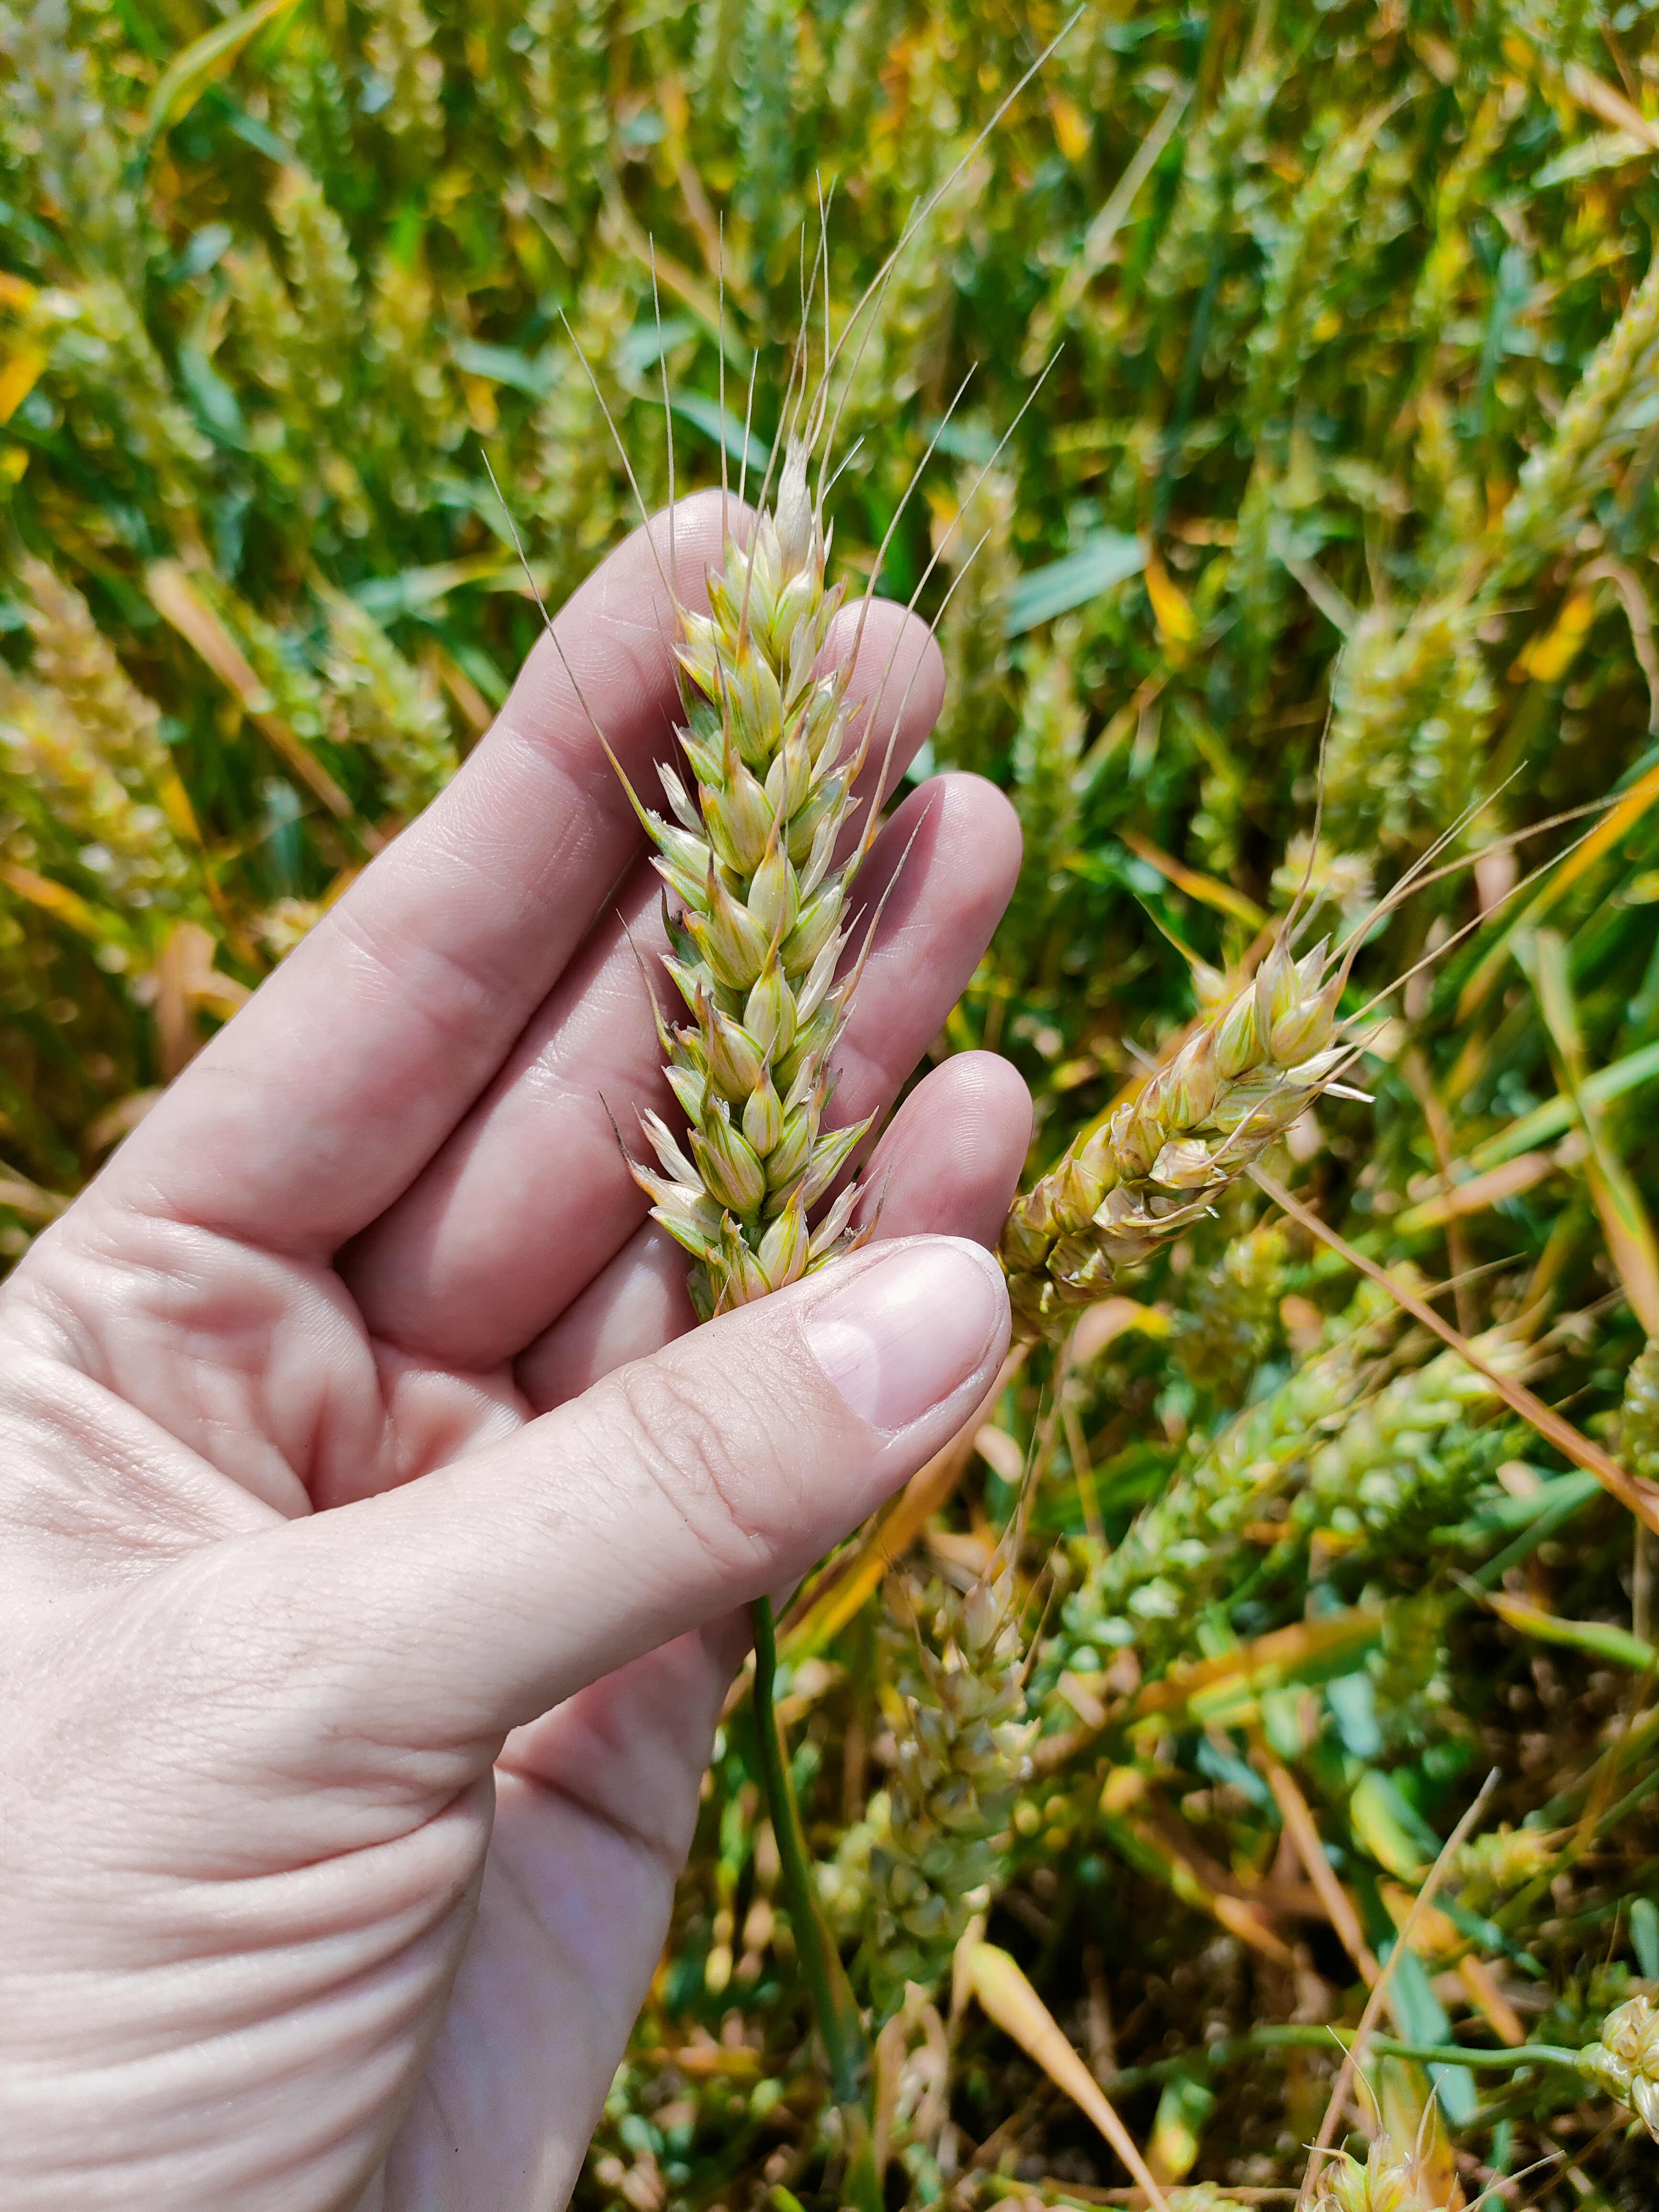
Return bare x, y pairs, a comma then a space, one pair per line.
317, 1106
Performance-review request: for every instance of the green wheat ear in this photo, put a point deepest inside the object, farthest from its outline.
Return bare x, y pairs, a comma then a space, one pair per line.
1159, 1161
754, 943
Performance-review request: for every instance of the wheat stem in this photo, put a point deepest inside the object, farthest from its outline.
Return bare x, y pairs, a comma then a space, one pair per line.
834, 2007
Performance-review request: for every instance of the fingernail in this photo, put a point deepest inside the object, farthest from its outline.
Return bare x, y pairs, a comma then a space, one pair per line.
908, 1330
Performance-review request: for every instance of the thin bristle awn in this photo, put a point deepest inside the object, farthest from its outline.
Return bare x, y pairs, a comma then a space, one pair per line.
939, 193
668, 427
938, 553
1379, 1990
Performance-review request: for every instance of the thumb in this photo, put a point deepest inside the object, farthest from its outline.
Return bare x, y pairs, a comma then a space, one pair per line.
447, 1612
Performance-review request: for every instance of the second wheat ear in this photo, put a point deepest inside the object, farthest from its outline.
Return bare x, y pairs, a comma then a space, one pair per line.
1149, 1168
750, 855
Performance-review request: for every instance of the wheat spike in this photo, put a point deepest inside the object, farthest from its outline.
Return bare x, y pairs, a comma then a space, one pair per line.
1412, 706
74, 658
1383, 2183
1231, 1320
399, 46
84, 746
1173, 1558
938, 1851
1624, 2061
1638, 1417
1599, 423
1391, 1457
393, 709
1160, 1159
751, 856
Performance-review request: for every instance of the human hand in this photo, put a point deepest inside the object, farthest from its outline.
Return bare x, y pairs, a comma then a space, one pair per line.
376, 1536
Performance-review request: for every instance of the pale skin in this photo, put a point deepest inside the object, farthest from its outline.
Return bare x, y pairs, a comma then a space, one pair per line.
376, 1532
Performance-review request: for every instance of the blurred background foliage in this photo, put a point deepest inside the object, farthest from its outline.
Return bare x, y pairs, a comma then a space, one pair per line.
1350, 435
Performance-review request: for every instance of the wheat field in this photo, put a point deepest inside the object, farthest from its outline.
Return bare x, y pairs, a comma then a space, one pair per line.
1313, 582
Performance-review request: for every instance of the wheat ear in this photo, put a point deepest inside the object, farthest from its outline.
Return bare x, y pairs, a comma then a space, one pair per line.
1624, 2060
963, 1739
751, 856
1160, 1159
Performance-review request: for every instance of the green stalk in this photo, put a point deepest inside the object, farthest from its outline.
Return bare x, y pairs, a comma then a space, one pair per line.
834, 2007
1293, 2037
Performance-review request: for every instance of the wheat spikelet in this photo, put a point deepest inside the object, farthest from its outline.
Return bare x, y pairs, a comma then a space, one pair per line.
278, 659
578, 497
105, 355
1259, 579
1638, 1417
1384, 2182
1231, 1319
1412, 707
1412, 1671
1448, 490
977, 538
1159, 1160
73, 657
426, 414
869, 32
44, 747
1488, 1868
87, 759
1314, 872
1604, 417
264, 329
751, 856
395, 711
324, 278
906, 348
1293, 292
1225, 147
769, 77
312, 106
1048, 745
1177, 1552
411, 76
714, 60
563, 43
54, 120
1391, 1461
1624, 2060
1449, 254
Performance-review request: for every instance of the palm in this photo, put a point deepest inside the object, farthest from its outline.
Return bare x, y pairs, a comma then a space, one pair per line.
380, 1226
